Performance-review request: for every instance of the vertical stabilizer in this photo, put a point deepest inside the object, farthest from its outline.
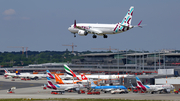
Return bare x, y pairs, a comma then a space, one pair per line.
127, 19
6, 71
92, 84
83, 77
69, 71
58, 79
125, 24
17, 72
140, 85
50, 75
50, 84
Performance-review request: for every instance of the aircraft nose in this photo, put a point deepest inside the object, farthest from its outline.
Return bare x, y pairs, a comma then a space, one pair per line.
69, 28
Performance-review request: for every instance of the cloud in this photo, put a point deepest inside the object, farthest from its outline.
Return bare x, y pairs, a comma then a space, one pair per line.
9, 12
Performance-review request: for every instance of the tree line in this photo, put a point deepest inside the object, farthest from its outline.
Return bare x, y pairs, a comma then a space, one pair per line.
10, 59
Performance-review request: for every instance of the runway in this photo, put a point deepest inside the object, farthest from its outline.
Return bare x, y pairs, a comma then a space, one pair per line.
36, 91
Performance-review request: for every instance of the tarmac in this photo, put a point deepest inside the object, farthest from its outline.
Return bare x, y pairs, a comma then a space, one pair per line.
33, 90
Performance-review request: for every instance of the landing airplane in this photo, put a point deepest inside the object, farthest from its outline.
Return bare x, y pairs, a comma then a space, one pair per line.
153, 88
107, 88
31, 76
50, 85
71, 73
102, 29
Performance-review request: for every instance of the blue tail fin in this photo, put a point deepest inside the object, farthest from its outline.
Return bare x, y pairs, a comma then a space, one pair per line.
17, 72
92, 84
50, 75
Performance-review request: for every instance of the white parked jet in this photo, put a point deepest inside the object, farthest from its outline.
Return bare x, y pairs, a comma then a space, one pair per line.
31, 76
102, 29
71, 73
50, 85
153, 88
7, 74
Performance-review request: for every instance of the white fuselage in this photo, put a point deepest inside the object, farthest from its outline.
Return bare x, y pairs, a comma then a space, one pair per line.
68, 86
32, 75
14, 74
104, 76
101, 28
159, 87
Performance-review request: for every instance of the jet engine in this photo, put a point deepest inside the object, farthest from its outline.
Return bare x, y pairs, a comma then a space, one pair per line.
82, 33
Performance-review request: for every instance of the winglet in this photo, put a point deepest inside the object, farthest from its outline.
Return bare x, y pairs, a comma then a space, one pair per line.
139, 24
74, 23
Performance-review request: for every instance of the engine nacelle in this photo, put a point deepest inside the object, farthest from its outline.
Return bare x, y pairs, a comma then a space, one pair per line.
82, 33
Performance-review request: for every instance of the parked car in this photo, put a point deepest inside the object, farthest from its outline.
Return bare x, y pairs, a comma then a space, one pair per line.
120, 91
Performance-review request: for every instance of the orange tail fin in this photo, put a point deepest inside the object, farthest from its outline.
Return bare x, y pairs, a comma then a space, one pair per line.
58, 79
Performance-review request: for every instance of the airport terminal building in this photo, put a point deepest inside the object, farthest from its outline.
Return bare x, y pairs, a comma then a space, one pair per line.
122, 62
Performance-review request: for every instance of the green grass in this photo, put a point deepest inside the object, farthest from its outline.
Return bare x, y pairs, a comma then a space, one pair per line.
64, 99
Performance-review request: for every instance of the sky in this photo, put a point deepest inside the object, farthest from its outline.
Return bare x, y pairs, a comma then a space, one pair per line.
43, 25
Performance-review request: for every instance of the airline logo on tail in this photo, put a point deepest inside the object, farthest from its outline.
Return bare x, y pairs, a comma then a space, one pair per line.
69, 71
83, 77
50, 75
140, 85
126, 22
58, 79
6, 71
17, 72
92, 84
50, 84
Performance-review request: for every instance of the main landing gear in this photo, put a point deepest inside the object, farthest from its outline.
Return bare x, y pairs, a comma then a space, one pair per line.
94, 36
105, 36
74, 34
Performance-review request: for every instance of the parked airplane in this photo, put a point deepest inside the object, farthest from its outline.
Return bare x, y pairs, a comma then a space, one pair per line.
60, 81
71, 73
8, 74
50, 85
154, 88
102, 29
107, 88
31, 76
50, 75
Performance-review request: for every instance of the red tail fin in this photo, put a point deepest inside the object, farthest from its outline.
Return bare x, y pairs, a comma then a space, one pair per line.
83, 77
74, 23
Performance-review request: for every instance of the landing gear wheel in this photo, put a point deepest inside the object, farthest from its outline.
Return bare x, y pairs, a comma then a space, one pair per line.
105, 36
74, 35
86, 33
94, 36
